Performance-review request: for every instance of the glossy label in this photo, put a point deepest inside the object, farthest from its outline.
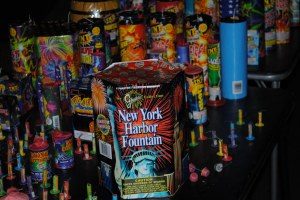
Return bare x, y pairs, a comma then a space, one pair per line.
39, 161
132, 42
63, 154
163, 39
195, 97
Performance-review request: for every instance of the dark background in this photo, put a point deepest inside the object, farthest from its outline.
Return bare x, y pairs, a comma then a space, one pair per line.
12, 11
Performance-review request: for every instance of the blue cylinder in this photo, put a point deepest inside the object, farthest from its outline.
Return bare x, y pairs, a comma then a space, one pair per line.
189, 7
233, 37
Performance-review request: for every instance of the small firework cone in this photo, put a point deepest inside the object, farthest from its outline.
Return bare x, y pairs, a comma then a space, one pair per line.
202, 136
226, 157
78, 150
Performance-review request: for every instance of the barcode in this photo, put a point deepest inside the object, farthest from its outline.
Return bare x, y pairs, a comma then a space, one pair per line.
237, 87
56, 123
105, 149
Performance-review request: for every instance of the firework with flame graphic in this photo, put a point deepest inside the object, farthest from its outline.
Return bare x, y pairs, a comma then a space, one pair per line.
98, 95
163, 34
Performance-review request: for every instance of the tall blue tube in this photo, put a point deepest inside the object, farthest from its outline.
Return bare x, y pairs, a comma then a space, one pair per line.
233, 37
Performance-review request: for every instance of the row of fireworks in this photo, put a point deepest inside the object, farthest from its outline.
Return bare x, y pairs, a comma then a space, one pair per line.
125, 37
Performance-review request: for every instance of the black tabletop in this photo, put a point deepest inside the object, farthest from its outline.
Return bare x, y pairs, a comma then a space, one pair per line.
237, 176
280, 63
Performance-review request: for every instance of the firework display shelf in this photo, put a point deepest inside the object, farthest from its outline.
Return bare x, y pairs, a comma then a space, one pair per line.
280, 64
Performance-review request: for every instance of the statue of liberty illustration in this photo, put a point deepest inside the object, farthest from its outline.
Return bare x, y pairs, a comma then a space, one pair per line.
143, 160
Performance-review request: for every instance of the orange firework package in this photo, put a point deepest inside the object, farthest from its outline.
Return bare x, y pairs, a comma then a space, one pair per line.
138, 114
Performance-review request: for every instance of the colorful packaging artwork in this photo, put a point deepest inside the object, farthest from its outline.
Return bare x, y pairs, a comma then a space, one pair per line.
63, 149
51, 106
209, 7
82, 109
92, 46
253, 47
214, 74
194, 87
39, 159
132, 33
138, 114
163, 35
270, 19
176, 7
56, 63
254, 11
110, 20
56, 58
282, 21
197, 35
132, 5
22, 45
229, 8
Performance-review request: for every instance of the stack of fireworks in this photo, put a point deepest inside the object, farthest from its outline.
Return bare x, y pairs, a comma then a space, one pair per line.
21, 85
31, 160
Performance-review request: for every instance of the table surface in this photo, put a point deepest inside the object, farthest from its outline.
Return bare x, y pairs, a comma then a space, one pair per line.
280, 63
238, 176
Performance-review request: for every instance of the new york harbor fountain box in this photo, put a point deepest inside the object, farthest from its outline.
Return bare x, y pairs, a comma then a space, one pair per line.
138, 108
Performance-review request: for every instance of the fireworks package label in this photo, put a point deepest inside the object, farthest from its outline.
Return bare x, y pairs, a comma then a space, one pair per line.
82, 109
138, 123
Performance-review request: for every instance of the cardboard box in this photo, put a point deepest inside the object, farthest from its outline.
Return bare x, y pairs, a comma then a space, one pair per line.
139, 125
82, 109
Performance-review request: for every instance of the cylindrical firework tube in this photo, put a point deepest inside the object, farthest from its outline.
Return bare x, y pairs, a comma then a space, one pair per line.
63, 149
214, 74
270, 30
194, 86
176, 7
92, 45
255, 22
198, 33
163, 34
295, 10
132, 36
22, 44
233, 40
52, 108
282, 21
208, 7
39, 159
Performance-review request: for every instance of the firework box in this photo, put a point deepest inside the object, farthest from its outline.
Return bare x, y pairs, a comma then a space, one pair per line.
82, 108
138, 123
